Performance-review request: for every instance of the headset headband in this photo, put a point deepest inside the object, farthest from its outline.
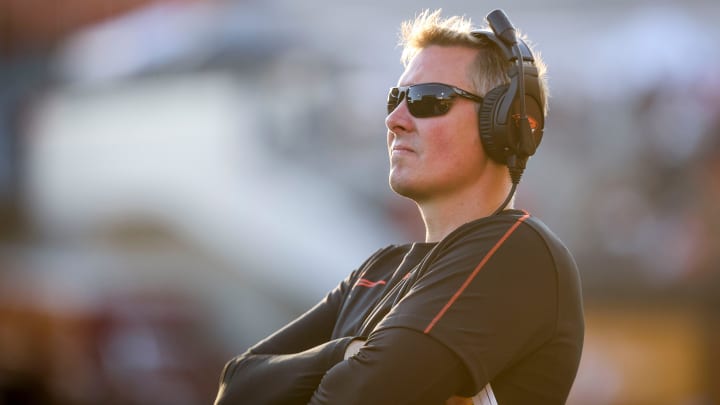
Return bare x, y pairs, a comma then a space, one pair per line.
506, 50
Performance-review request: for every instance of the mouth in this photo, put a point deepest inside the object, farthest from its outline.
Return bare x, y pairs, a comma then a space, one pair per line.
401, 149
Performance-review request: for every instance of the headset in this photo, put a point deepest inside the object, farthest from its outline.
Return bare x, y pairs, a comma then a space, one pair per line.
512, 116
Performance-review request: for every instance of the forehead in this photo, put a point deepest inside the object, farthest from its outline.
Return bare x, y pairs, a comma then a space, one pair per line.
444, 64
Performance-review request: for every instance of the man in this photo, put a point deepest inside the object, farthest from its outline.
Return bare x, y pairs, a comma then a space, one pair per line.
487, 310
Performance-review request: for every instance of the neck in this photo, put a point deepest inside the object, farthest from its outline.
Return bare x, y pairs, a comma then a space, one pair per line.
443, 215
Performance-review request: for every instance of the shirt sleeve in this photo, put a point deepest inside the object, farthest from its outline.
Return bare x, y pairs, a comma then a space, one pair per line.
282, 379
286, 367
315, 326
490, 298
395, 366
308, 330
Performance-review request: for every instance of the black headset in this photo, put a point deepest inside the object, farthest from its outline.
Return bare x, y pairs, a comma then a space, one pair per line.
512, 116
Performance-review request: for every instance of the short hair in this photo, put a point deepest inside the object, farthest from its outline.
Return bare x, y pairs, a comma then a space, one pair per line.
490, 67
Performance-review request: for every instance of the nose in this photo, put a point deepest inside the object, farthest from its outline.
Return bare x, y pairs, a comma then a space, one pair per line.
399, 120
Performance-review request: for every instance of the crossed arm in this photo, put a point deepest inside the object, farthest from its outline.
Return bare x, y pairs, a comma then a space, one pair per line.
300, 364
394, 366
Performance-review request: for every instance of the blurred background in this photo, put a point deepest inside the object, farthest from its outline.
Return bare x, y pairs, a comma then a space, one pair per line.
180, 178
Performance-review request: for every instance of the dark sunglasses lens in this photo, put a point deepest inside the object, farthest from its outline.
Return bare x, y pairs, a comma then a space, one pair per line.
394, 98
424, 100
429, 100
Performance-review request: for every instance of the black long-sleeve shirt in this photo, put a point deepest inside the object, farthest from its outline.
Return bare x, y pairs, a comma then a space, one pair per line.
497, 301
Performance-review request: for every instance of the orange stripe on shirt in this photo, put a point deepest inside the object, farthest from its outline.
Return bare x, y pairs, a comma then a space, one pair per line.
363, 282
475, 272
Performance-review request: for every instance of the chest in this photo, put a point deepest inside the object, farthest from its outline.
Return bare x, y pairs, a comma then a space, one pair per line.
372, 296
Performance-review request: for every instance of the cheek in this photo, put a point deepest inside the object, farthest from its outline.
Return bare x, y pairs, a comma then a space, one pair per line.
455, 144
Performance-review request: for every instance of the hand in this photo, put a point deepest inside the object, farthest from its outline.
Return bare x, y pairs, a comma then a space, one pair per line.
484, 397
353, 347
456, 400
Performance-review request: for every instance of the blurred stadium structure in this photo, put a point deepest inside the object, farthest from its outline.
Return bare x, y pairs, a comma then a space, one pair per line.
180, 178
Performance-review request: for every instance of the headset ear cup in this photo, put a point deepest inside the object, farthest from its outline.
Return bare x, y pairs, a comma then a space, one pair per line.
536, 116
494, 140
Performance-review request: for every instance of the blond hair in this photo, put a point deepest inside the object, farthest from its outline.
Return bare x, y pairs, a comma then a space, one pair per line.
490, 67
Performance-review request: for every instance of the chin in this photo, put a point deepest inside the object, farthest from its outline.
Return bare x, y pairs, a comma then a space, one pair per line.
406, 190
398, 187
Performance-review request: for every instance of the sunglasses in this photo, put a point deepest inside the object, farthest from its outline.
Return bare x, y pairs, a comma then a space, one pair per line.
427, 99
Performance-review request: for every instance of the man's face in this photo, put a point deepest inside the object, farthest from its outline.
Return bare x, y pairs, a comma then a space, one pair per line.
440, 156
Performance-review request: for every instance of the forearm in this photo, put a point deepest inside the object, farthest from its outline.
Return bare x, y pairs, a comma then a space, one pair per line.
395, 366
278, 379
312, 328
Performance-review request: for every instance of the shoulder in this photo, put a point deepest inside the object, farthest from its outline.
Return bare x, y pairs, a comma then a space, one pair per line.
488, 234
514, 227
545, 235
381, 261
386, 253
534, 231
515, 241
